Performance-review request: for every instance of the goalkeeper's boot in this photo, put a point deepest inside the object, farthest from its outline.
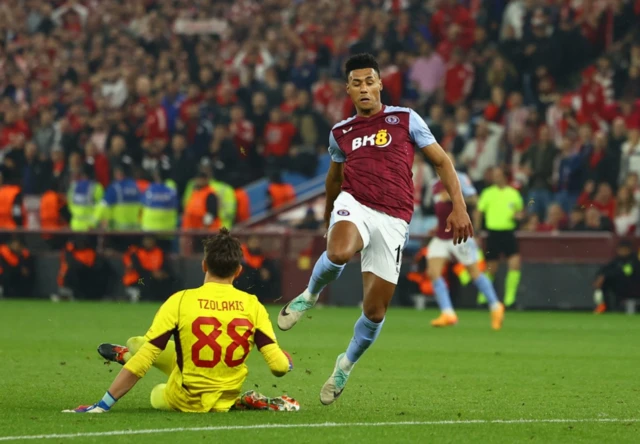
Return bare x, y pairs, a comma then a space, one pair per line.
445, 320
293, 311
253, 400
497, 317
113, 352
333, 388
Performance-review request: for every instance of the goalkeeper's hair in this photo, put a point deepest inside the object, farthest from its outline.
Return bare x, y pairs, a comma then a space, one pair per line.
222, 254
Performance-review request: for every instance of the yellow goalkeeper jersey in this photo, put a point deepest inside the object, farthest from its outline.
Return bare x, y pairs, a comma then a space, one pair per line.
215, 327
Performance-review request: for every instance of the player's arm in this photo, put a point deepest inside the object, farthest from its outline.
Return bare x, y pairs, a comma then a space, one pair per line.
335, 176
279, 361
421, 136
162, 328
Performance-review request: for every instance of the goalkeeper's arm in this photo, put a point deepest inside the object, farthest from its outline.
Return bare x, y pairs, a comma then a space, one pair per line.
279, 361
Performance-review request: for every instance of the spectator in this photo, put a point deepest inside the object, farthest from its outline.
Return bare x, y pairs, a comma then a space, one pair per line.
496, 110
182, 163
517, 114
594, 221
147, 275
501, 74
453, 24
310, 138
481, 152
310, 221
83, 273
603, 200
538, 162
230, 160
450, 140
568, 176
427, 72
47, 133
626, 213
555, 221
36, 171
16, 270
278, 138
458, 80
576, 219
630, 162
260, 275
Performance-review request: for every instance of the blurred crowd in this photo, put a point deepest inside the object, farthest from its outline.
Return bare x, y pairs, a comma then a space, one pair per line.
235, 90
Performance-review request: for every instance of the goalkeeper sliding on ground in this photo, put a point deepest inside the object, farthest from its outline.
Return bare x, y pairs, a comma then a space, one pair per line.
214, 328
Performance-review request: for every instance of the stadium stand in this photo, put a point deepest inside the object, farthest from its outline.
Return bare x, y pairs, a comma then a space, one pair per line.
548, 89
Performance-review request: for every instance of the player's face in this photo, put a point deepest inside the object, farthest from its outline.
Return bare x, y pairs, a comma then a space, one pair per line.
364, 86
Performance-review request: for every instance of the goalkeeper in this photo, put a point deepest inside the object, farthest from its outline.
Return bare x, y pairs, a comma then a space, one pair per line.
214, 327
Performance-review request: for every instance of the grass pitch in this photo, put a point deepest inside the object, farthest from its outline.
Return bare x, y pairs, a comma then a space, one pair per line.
546, 377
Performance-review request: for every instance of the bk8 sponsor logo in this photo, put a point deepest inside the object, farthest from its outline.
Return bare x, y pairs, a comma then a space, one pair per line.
381, 139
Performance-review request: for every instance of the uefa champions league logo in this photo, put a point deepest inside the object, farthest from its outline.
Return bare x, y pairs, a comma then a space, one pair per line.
392, 120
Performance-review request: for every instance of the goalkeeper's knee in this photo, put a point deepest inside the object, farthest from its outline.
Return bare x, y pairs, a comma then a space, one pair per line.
158, 401
134, 344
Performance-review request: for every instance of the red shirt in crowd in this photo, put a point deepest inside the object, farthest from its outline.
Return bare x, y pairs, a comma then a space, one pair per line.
101, 168
278, 138
10, 132
447, 16
156, 125
322, 95
392, 80
243, 133
607, 209
592, 99
458, 82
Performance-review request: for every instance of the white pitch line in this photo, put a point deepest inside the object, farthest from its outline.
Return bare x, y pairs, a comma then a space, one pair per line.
316, 425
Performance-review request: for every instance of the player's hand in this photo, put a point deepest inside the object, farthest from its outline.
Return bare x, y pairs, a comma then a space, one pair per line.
289, 358
98, 407
460, 223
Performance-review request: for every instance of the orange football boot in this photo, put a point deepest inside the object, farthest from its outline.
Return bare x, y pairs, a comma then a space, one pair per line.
601, 308
497, 317
445, 320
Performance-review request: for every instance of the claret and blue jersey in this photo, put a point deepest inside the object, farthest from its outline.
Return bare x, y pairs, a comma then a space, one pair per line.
378, 153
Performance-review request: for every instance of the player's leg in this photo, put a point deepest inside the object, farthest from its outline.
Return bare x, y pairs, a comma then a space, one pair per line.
347, 235
467, 254
437, 257
157, 398
513, 280
121, 354
492, 257
381, 261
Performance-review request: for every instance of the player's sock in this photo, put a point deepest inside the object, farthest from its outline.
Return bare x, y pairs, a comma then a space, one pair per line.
511, 287
486, 288
324, 272
442, 296
482, 299
365, 333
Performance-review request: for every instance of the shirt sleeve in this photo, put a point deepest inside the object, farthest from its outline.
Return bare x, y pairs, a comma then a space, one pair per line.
419, 131
468, 189
165, 322
482, 202
265, 339
519, 201
337, 155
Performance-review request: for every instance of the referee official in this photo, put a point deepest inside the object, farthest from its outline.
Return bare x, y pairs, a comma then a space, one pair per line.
502, 208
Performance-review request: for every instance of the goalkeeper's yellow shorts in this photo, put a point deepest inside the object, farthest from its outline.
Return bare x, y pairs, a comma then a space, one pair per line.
225, 400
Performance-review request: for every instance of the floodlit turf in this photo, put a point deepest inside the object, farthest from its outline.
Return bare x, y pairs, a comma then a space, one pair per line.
541, 367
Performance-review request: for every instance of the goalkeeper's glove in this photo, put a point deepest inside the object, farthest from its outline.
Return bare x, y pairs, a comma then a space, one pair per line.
98, 407
290, 359
102, 406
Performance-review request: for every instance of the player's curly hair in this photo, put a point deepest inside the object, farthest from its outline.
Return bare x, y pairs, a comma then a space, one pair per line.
361, 61
222, 254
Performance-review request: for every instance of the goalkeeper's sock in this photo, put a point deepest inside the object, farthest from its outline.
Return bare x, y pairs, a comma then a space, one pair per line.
107, 401
442, 296
365, 332
324, 272
486, 288
511, 287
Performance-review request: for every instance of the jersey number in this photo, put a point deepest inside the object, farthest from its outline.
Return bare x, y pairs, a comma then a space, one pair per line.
209, 340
